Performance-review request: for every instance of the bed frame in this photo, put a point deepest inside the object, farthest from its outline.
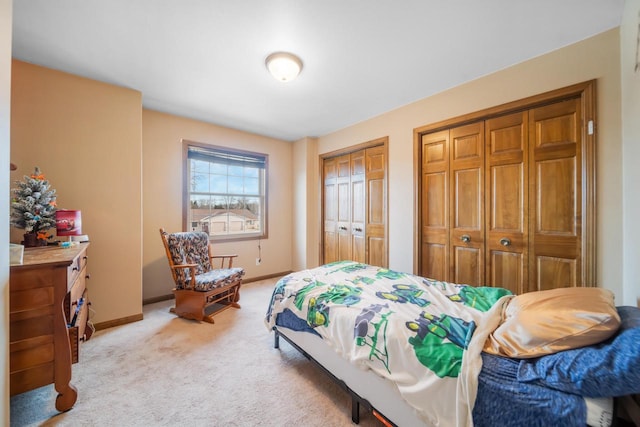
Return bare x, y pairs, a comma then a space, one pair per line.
365, 389
376, 394
356, 400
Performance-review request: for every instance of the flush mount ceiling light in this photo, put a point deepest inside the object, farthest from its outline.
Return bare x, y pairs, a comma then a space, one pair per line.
283, 66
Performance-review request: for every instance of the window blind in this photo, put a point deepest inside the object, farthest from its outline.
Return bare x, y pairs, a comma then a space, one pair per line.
228, 158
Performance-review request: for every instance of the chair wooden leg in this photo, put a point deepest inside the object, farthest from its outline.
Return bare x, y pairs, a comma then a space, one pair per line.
209, 318
190, 305
193, 305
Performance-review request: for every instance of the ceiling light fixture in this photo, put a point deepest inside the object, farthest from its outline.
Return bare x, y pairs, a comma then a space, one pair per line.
283, 66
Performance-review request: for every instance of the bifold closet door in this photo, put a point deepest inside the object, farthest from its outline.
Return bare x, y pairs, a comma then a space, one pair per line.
355, 207
467, 204
508, 198
435, 248
555, 146
330, 210
453, 205
343, 184
337, 209
376, 206
507, 209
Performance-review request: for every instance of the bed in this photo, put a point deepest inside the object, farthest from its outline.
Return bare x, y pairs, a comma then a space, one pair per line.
421, 352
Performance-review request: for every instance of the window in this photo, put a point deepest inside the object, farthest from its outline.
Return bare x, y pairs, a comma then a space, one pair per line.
226, 192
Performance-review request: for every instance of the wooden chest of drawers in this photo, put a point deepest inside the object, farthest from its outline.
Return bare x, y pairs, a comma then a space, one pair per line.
46, 291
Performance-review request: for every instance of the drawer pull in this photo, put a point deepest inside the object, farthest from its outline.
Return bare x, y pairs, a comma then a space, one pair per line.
465, 238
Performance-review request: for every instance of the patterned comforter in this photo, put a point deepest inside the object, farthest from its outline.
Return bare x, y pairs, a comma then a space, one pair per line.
424, 335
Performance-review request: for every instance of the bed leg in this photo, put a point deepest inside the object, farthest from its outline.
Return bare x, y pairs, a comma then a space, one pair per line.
355, 410
276, 339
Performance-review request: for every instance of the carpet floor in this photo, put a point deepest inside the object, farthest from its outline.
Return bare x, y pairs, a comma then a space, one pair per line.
167, 371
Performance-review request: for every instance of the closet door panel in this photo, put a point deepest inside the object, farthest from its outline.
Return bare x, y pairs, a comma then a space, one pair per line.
435, 237
469, 262
435, 261
435, 206
553, 272
507, 269
467, 237
343, 164
330, 211
556, 196
436, 210
377, 251
375, 228
344, 246
467, 204
376, 212
358, 207
376, 206
508, 197
507, 201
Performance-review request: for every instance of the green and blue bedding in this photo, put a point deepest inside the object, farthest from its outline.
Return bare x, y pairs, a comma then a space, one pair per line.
426, 337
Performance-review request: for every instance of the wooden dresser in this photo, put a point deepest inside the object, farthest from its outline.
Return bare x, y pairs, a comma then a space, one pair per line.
45, 293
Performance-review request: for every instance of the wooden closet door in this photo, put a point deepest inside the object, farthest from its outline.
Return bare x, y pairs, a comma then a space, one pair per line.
507, 202
358, 207
376, 206
343, 183
355, 206
467, 204
435, 250
330, 210
555, 141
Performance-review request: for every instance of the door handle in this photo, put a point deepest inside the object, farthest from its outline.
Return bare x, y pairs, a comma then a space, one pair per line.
358, 229
465, 238
343, 228
505, 242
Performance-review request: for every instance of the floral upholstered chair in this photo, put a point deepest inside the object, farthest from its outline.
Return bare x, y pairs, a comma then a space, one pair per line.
200, 284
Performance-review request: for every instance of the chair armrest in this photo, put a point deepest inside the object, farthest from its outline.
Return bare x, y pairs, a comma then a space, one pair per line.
192, 267
184, 266
223, 259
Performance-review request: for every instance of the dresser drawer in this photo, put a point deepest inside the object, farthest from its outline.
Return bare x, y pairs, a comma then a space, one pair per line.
74, 342
77, 266
78, 325
78, 287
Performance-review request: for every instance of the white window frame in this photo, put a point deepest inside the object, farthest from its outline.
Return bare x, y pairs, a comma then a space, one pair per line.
216, 222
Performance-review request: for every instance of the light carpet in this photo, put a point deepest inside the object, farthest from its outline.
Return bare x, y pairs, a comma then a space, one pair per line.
167, 371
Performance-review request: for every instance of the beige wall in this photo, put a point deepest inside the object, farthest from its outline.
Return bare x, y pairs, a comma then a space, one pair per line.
5, 109
86, 138
630, 75
595, 58
162, 201
305, 179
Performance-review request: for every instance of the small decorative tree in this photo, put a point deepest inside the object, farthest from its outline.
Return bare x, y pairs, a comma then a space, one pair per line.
33, 208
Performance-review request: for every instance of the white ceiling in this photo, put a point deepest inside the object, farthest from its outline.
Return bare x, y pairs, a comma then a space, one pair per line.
204, 59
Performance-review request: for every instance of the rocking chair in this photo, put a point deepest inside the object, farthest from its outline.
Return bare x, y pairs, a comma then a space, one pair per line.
199, 284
